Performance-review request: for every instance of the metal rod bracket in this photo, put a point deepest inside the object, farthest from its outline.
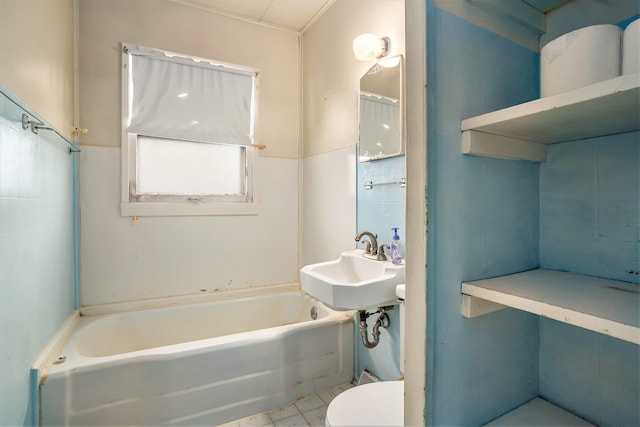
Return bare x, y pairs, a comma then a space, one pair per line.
368, 185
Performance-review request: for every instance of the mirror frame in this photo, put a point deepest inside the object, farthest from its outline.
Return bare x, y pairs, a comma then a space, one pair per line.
362, 157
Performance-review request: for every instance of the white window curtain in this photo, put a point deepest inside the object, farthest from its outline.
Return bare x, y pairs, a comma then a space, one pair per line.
379, 125
187, 99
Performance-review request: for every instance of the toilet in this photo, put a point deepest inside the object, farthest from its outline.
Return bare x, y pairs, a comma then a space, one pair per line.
375, 404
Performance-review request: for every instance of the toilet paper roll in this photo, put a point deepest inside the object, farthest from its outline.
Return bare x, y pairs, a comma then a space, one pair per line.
631, 48
580, 58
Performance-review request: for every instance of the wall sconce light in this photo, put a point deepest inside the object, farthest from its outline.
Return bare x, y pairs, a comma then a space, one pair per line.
367, 47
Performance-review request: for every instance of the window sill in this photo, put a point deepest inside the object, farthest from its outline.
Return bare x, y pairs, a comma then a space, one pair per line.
187, 209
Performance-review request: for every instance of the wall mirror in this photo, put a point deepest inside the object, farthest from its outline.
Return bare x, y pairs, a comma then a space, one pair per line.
381, 110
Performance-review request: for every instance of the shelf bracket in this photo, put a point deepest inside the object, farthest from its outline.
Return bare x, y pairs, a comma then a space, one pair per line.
502, 147
473, 306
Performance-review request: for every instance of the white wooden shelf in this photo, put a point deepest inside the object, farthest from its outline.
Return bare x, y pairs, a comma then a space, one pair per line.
538, 412
522, 131
609, 307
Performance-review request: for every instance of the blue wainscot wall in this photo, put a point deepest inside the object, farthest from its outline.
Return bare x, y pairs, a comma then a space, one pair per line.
37, 266
380, 209
483, 222
590, 224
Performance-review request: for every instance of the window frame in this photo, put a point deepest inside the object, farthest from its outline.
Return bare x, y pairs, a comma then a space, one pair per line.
188, 205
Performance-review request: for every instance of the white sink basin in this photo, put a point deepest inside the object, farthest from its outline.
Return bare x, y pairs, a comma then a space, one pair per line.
353, 282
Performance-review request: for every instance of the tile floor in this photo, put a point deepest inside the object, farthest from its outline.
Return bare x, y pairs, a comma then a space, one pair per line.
308, 411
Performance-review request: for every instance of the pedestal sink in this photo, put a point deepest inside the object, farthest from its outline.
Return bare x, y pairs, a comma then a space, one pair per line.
355, 281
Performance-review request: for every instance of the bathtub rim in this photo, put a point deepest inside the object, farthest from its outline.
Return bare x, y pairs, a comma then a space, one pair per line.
79, 346
186, 299
79, 363
42, 366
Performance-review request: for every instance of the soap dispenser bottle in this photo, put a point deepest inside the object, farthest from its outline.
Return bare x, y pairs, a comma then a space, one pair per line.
396, 253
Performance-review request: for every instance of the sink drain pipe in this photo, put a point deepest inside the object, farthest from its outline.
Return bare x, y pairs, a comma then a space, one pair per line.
382, 320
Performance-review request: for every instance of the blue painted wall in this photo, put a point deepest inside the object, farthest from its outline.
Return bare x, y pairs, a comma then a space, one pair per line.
378, 210
382, 207
483, 222
590, 224
590, 207
592, 375
384, 359
579, 211
37, 274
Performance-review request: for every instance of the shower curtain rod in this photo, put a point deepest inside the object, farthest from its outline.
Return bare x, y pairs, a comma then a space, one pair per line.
29, 119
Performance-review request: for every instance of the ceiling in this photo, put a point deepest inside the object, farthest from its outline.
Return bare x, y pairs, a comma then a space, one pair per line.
295, 15
545, 5
298, 15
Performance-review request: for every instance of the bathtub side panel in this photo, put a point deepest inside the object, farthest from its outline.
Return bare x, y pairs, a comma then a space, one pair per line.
209, 385
54, 405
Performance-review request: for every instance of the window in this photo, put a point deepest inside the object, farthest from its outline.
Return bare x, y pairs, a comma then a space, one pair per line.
188, 126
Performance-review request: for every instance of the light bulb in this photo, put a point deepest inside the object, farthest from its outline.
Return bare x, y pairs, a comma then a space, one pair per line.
369, 46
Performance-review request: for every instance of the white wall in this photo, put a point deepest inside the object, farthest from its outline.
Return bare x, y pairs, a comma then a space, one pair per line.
36, 57
161, 24
332, 74
329, 194
165, 256
331, 79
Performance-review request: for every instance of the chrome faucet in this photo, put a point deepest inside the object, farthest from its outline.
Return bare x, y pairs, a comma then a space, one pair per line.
372, 244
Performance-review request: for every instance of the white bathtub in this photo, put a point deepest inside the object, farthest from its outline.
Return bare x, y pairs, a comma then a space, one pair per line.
198, 364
